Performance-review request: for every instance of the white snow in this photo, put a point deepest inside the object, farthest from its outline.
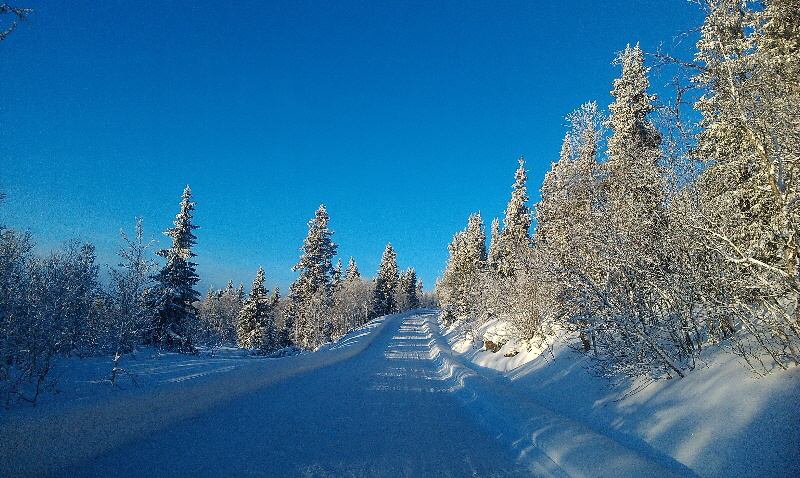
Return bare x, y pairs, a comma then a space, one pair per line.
395, 399
722, 420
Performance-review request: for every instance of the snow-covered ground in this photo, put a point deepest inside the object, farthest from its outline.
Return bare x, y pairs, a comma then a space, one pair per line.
395, 399
722, 420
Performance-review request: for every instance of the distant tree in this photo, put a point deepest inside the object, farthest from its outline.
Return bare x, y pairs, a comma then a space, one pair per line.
352, 270
256, 328
352, 301
407, 290
495, 247
384, 298
336, 273
174, 294
459, 289
218, 313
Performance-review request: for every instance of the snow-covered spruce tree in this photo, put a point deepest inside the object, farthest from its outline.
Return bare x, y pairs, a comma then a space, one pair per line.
748, 194
515, 236
173, 295
255, 325
495, 249
352, 270
509, 287
384, 298
336, 273
634, 185
459, 290
311, 293
408, 285
634, 331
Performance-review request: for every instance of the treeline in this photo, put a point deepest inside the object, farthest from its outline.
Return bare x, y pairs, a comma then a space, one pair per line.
657, 236
324, 302
55, 306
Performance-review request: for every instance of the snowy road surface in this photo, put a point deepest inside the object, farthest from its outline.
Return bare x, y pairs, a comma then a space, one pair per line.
388, 401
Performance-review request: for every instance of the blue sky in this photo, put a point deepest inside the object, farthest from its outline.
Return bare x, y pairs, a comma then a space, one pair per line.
403, 117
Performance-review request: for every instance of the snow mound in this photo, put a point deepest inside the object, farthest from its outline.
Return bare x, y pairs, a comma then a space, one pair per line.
721, 420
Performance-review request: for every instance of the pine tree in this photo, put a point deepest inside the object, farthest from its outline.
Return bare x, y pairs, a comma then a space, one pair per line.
634, 186
311, 293
384, 299
515, 235
255, 328
459, 289
352, 270
174, 294
410, 289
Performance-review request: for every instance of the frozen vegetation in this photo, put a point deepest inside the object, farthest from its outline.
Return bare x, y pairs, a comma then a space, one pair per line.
641, 319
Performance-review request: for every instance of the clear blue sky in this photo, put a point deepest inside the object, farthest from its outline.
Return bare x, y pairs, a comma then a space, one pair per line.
403, 117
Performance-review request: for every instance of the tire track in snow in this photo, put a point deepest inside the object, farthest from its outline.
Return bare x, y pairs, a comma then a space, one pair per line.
64, 437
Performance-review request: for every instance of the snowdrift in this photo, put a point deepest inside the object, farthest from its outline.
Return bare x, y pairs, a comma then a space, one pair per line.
722, 420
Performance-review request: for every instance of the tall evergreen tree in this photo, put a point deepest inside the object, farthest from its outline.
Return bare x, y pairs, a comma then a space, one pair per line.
515, 236
634, 185
384, 299
409, 286
459, 289
310, 294
495, 248
174, 293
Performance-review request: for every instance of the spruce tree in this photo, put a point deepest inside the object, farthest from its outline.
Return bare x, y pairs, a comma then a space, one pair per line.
515, 236
384, 299
410, 289
495, 247
255, 329
174, 293
462, 278
310, 293
352, 270
634, 185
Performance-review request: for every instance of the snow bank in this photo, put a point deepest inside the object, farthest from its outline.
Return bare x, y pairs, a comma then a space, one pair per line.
550, 444
720, 421
44, 440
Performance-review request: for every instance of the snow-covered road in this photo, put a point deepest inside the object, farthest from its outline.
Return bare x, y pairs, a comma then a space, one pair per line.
389, 400
384, 412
